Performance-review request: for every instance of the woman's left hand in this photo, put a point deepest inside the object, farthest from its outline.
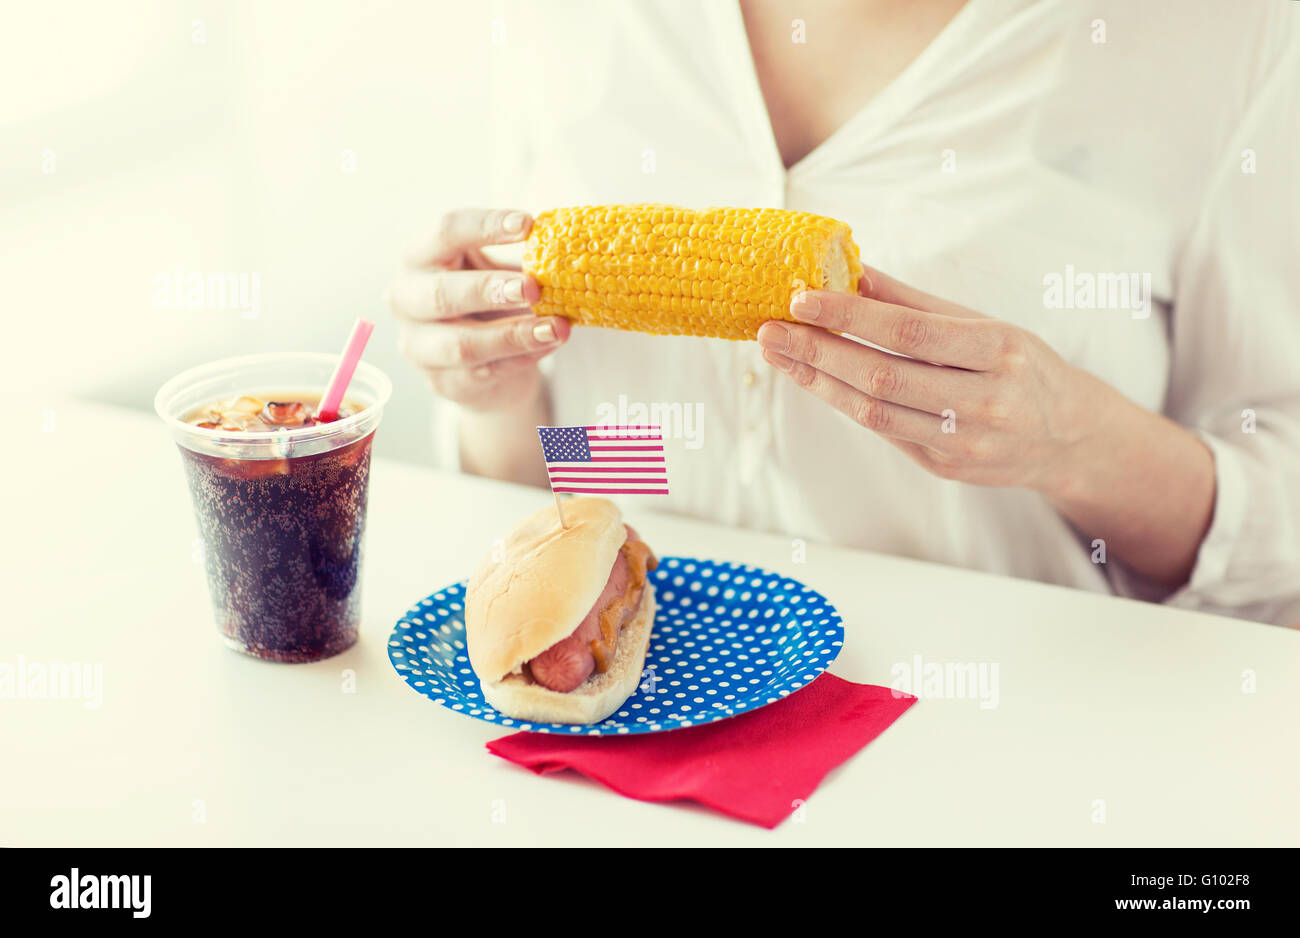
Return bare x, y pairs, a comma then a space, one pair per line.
975, 399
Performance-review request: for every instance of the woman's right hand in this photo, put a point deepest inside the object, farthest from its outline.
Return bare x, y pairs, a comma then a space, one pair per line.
464, 320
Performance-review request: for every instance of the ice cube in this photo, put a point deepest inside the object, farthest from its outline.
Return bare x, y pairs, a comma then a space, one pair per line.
249, 406
286, 414
265, 468
251, 470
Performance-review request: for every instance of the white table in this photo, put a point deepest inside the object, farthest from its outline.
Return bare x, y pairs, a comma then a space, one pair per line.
1139, 706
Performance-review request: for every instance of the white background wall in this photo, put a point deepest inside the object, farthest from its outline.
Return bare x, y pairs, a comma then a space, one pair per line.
210, 136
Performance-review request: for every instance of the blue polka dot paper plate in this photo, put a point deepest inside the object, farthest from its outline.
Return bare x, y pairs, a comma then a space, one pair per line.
727, 639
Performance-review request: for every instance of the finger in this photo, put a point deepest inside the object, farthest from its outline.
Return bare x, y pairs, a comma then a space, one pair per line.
468, 343
477, 260
975, 344
881, 375
886, 289
883, 417
462, 383
428, 295
464, 230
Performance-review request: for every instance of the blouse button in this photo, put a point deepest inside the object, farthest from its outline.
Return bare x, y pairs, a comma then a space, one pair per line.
749, 379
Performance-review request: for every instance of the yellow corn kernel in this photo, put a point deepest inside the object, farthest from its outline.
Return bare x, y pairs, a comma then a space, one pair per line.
717, 272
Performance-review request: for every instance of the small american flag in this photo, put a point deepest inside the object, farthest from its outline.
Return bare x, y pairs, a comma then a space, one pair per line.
605, 460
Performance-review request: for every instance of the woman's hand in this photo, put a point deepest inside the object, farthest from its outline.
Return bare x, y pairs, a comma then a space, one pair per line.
464, 320
975, 399
979, 400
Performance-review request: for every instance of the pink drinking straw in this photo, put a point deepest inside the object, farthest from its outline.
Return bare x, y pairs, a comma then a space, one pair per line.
334, 391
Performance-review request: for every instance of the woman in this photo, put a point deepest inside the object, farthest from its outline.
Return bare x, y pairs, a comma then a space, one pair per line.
1079, 222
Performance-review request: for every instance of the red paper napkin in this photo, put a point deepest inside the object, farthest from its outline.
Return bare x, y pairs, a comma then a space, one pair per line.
753, 766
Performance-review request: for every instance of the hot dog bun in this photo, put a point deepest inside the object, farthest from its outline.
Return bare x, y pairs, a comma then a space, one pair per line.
594, 699
532, 592
521, 602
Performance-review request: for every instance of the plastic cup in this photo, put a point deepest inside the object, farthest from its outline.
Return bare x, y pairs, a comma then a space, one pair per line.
281, 514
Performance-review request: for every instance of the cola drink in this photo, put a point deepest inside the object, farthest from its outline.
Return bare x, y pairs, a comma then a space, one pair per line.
282, 535
280, 499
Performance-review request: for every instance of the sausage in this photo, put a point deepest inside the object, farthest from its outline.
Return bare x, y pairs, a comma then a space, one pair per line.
570, 661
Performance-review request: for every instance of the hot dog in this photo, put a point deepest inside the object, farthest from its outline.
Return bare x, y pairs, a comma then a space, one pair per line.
569, 662
557, 624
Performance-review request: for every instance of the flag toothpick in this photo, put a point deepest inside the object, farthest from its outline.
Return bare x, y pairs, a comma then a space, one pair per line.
604, 460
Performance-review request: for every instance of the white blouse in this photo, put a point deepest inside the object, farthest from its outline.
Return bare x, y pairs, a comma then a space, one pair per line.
1122, 179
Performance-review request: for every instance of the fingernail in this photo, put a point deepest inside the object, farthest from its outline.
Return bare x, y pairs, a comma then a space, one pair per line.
513, 223
481, 372
544, 332
806, 306
513, 290
775, 336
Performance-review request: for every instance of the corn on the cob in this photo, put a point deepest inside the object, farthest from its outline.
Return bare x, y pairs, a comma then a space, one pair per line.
718, 272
